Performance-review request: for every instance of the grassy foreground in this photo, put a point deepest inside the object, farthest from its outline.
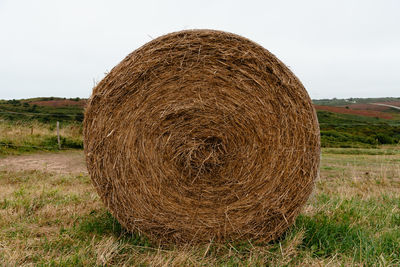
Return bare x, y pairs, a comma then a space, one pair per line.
352, 218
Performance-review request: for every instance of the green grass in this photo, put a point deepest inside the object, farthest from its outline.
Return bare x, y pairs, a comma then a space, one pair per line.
360, 229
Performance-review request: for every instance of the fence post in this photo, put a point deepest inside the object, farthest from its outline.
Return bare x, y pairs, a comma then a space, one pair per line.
58, 135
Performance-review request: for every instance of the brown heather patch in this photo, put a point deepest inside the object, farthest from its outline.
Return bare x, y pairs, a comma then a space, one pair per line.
367, 107
342, 110
59, 103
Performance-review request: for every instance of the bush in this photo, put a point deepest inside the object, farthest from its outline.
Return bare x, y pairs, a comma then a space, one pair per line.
52, 142
384, 139
71, 143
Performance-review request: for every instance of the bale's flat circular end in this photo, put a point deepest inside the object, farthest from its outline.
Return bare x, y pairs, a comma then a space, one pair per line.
202, 135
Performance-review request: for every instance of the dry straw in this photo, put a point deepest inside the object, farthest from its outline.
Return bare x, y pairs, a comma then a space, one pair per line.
202, 135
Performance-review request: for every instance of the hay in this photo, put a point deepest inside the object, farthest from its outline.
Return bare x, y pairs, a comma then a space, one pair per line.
202, 135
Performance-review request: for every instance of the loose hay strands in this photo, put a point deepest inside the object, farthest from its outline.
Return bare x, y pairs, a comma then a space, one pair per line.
202, 135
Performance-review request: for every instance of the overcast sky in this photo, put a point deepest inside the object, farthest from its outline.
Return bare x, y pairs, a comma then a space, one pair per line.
338, 48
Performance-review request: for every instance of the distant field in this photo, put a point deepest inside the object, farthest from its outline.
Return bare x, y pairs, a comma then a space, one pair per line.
367, 107
360, 112
393, 103
358, 122
59, 103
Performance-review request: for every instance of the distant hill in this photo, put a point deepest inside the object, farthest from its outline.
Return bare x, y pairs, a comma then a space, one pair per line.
359, 122
56, 101
384, 108
351, 101
43, 109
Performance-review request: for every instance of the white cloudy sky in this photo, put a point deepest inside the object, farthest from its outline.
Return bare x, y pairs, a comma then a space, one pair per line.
341, 48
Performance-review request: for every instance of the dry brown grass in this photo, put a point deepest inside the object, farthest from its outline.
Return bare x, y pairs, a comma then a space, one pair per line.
57, 219
361, 176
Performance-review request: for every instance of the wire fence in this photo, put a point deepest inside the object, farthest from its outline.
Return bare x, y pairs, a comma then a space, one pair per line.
10, 145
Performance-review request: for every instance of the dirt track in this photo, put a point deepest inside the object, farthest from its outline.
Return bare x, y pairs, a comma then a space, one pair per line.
61, 162
385, 105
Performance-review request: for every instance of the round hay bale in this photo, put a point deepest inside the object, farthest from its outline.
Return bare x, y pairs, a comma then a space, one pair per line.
202, 135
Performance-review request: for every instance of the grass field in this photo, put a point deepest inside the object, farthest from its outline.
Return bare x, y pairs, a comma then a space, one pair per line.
352, 218
50, 214
18, 137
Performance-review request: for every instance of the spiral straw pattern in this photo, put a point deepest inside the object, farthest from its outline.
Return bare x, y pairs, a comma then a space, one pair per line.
202, 135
